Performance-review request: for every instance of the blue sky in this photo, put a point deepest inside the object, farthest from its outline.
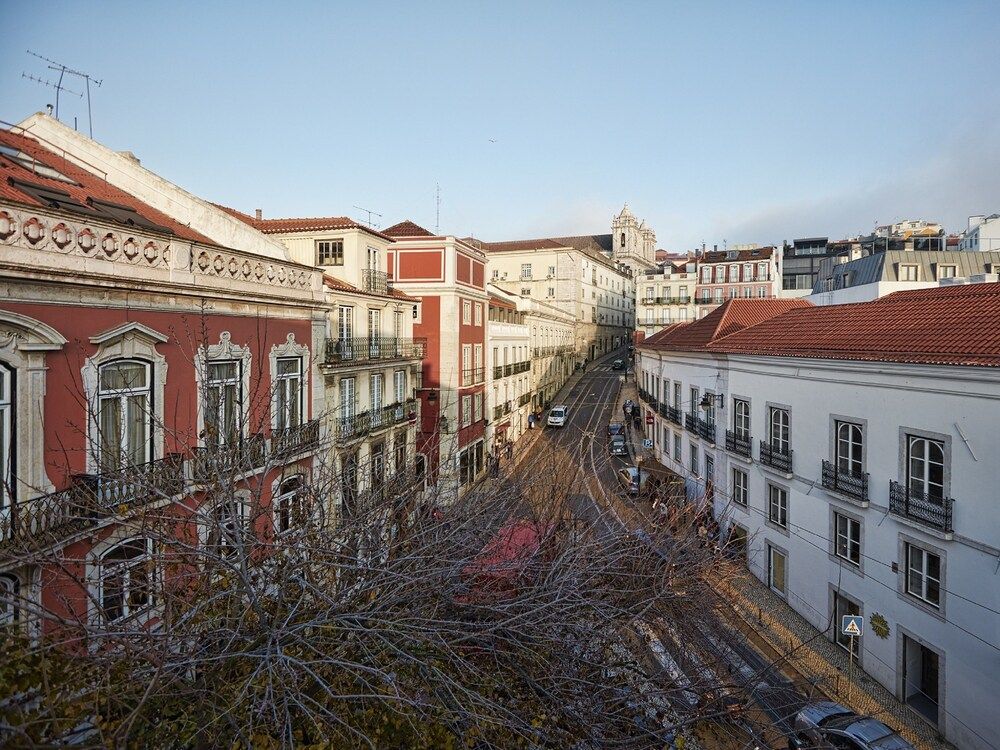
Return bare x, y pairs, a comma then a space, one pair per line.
744, 121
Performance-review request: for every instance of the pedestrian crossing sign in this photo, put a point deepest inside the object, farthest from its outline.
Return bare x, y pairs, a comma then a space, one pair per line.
852, 625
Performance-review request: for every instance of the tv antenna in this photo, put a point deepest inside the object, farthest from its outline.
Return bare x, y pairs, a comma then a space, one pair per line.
370, 215
63, 70
437, 214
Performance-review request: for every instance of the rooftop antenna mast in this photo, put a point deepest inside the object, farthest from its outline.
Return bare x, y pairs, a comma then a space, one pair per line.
370, 215
63, 70
57, 86
437, 214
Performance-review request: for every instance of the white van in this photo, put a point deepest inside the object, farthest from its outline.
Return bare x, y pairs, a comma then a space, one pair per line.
558, 416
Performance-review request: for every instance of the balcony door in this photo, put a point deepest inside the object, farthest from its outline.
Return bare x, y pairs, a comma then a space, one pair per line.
124, 398
345, 332
374, 333
376, 399
224, 403
849, 447
925, 467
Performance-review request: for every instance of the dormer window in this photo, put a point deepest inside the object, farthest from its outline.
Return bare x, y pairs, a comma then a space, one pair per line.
330, 253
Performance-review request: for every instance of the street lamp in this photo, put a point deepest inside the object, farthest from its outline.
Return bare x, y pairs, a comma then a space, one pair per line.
712, 399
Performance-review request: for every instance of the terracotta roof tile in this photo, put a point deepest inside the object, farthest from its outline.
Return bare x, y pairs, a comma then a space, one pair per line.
306, 224
732, 316
720, 256
16, 180
407, 229
500, 302
958, 325
504, 247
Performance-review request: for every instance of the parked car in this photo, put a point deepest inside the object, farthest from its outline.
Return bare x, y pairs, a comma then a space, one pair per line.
618, 364
831, 726
616, 428
558, 416
633, 480
617, 446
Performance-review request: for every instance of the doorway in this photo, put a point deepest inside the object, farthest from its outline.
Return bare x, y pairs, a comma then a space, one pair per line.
921, 674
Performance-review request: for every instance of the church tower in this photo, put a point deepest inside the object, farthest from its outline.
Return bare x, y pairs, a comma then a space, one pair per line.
632, 241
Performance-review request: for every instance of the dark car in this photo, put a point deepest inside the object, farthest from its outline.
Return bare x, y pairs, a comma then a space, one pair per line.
635, 480
617, 446
831, 726
618, 364
616, 428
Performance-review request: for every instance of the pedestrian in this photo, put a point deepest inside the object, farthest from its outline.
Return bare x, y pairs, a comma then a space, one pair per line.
531, 421
509, 450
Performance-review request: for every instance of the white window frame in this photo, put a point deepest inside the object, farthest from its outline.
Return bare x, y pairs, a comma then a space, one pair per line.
779, 428
224, 351
849, 453
922, 454
399, 385
741, 418
122, 397
8, 435
291, 349
741, 487
466, 410
290, 505
777, 506
478, 314
772, 552
466, 312
920, 569
148, 557
330, 249
847, 539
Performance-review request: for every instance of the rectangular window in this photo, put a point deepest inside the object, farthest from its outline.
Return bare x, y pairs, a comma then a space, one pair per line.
330, 253
677, 395
496, 274
552, 270
477, 407
376, 392
466, 411
947, 272
695, 465
777, 506
734, 273
397, 328
525, 270
847, 544
288, 393
347, 398
777, 571
399, 385
466, 312
741, 484
683, 295
842, 607
374, 333
345, 323
525, 291
7, 424
706, 275
479, 314
666, 441
762, 272
693, 407
551, 291
223, 415
923, 575
908, 272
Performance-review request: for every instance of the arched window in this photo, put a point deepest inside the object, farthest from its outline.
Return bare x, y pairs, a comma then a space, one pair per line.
124, 398
779, 429
7, 437
10, 591
128, 579
925, 467
227, 531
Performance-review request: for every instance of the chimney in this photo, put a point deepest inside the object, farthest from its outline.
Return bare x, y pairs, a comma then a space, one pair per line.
259, 213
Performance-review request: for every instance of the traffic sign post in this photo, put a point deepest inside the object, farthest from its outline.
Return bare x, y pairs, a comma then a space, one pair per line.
853, 626
647, 443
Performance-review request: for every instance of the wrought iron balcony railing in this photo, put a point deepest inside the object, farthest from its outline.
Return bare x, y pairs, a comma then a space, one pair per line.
707, 430
473, 376
292, 440
524, 399
915, 505
375, 281
776, 457
691, 423
498, 372
739, 443
674, 414
849, 483
91, 498
344, 352
357, 426
212, 462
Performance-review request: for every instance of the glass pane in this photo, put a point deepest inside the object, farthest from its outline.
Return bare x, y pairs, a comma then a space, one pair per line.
229, 415
281, 405
294, 418
221, 371
112, 600
288, 367
110, 427
138, 439
122, 375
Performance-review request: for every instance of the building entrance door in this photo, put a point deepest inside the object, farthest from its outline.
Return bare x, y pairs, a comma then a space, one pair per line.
920, 678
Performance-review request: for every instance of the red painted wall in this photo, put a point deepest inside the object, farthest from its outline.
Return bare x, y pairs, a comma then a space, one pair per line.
421, 265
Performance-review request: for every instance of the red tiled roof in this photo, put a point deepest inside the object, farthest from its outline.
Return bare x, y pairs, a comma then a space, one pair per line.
83, 191
500, 302
398, 294
406, 229
732, 316
307, 224
958, 325
332, 282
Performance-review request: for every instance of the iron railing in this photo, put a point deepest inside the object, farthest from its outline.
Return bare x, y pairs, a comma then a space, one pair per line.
739, 443
524, 399
916, 505
473, 376
211, 462
375, 281
849, 483
357, 426
360, 350
498, 372
674, 414
292, 440
91, 498
691, 423
707, 430
776, 457
501, 410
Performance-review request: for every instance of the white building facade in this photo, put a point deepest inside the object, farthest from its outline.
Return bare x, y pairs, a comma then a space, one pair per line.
665, 295
863, 481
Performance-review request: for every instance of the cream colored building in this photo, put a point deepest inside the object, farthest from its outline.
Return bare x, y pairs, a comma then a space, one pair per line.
633, 243
665, 295
371, 361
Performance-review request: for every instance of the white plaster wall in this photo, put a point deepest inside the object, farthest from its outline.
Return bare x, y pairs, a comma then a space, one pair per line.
865, 292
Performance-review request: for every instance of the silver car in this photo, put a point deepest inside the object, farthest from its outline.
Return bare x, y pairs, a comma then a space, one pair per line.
831, 726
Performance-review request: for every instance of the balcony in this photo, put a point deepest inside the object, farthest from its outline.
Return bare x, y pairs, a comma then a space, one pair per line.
498, 372
293, 440
501, 410
739, 443
358, 426
376, 282
212, 462
673, 414
473, 376
91, 498
848, 483
691, 423
354, 351
520, 367
707, 430
775, 457
914, 505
